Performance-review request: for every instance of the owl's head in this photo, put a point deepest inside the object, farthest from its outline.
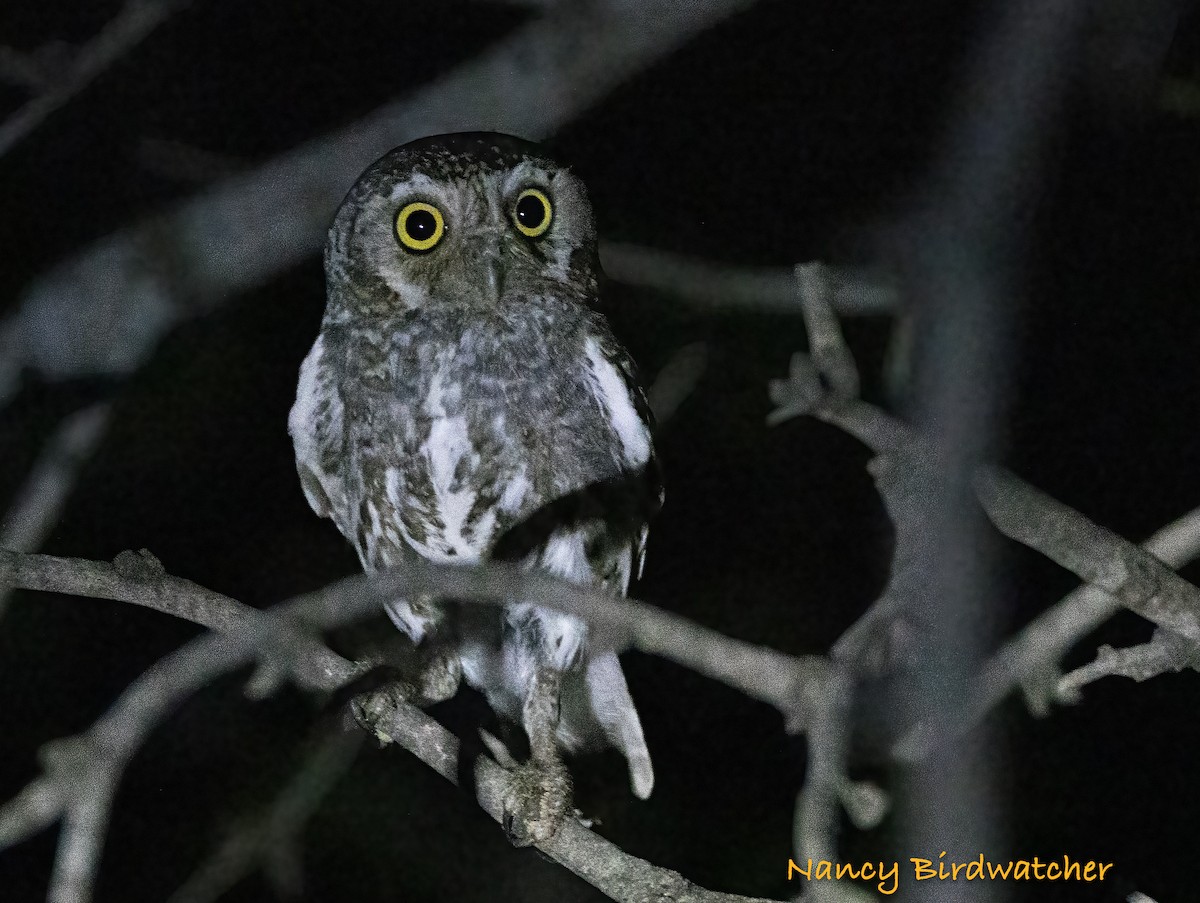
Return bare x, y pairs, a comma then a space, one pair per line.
478, 219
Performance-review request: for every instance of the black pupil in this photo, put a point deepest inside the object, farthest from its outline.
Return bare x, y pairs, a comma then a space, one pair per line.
531, 213
421, 225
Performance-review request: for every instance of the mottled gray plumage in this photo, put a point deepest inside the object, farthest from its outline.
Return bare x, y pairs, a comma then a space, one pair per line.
469, 401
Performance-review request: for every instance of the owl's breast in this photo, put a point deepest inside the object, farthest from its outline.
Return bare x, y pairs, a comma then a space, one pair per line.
490, 421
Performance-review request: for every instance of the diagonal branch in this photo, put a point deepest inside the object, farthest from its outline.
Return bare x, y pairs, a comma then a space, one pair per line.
82, 772
1134, 577
272, 839
104, 310
131, 25
1165, 652
1030, 659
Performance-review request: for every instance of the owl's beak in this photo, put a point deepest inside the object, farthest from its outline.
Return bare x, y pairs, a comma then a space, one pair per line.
486, 250
493, 269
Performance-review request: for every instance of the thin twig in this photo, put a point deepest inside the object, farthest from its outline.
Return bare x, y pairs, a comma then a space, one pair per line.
814, 291
40, 502
676, 381
127, 29
272, 839
1165, 652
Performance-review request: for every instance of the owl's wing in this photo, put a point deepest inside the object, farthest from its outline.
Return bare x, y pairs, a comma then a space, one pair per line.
316, 427
620, 393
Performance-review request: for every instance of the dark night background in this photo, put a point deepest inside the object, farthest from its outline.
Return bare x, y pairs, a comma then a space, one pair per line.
784, 134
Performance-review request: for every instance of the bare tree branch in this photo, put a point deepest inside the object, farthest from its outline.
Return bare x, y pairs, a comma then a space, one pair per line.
1119, 573
131, 25
273, 839
1165, 652
1137, 579
1030, 659
819, 804
39, 503
139, 578
833, 360
789, 683
104, 310
864, 649
82, 792
724, 287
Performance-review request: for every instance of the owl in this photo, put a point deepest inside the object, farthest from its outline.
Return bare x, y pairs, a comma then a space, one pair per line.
465, 400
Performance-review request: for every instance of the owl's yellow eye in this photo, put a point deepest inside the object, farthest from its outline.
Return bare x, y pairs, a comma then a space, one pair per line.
532, 213
419, 226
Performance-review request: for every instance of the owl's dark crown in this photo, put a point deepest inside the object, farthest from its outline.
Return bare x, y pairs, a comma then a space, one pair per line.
458, 155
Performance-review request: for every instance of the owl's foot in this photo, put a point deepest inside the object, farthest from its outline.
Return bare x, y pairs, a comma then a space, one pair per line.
370, 705
538, 796
536, 801
438, 678
370, 696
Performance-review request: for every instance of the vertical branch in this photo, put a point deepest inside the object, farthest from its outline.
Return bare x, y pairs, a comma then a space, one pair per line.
962, 253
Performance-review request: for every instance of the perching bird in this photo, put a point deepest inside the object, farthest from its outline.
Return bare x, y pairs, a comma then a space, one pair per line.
466, 400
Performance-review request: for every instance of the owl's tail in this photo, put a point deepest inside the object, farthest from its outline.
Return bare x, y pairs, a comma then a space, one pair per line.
613, 709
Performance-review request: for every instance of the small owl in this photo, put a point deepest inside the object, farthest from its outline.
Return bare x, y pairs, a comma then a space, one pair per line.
465, 400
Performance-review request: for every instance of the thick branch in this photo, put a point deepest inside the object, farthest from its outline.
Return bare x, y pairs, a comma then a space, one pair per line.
139, 579
98, 758
1134, 577
1030, 659
724, 287
599, 862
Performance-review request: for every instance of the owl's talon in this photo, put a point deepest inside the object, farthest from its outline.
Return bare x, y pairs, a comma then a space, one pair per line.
536, 802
